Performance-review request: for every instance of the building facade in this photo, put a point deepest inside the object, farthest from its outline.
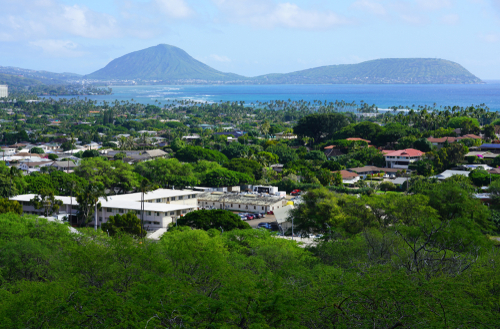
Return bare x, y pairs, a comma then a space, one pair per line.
401, 159
4, 91
161, 207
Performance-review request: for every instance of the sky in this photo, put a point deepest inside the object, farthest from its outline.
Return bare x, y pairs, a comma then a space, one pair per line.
250, 37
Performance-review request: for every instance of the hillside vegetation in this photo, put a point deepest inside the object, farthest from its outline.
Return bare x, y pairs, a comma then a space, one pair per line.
162, 62
392, 70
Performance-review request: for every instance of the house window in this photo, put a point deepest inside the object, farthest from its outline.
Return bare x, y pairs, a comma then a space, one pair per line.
157, 214
193, 196
149, 213
239, 206
254, 207
120, 211
262, 208
100, 219
156, 223
180, 198
231, 205
168, 199
189, 197
172, 213
158, 200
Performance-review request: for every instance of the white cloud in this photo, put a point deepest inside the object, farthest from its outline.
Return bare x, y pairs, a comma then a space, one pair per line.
58, 48
266, 14
174, 8
81, 21
373, 7
450, 19
434, 4
490, 37
222, 59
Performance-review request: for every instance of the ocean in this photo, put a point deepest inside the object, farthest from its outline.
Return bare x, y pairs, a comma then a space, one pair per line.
383, 96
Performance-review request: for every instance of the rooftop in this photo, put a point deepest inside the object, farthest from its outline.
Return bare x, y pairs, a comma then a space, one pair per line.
251, 199
406, 152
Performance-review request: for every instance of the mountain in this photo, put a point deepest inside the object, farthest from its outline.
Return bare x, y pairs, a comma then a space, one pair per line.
162, 62
40, 76
380, 71
165, 63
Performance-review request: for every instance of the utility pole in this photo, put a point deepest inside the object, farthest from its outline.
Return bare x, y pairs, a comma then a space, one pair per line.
95, 215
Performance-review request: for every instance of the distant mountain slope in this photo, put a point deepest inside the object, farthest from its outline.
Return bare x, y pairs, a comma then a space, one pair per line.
392, 70
14, 81
162, 62
41, 76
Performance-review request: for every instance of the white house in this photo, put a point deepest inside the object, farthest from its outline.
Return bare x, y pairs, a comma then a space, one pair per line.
401, 159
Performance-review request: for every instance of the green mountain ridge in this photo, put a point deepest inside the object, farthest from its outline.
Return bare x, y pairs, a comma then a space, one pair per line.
169, 64
165, 64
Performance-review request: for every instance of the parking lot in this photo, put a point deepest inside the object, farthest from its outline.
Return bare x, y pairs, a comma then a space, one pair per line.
254, 222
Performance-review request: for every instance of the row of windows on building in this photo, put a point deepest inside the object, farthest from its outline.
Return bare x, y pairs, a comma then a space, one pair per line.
239, 206
148, 213
172, 199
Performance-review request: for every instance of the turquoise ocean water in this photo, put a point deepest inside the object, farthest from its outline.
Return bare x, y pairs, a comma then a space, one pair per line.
383, 96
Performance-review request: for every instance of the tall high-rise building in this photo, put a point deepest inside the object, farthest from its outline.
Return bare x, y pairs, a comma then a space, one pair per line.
4, 91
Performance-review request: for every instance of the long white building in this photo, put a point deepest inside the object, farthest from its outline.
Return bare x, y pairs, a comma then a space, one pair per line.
4, 91
161, 207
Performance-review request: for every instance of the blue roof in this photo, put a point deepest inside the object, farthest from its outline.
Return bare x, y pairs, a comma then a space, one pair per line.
490, 146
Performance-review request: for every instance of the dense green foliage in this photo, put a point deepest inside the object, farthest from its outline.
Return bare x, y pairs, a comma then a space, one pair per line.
213, 219
240, 279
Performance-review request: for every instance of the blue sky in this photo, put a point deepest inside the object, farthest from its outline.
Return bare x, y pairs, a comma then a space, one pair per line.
250, 37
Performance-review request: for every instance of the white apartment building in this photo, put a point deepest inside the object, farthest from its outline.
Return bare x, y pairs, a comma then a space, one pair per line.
4, 91
161, 207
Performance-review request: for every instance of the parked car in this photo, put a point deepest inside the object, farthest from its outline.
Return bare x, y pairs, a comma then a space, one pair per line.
250, 217
295, 192
264, 225
270, 212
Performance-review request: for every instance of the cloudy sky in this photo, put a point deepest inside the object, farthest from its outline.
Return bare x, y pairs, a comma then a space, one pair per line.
250, 37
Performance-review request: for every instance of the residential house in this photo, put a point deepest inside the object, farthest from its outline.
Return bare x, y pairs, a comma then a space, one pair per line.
440, 142
401, 159
348, 177
367, 171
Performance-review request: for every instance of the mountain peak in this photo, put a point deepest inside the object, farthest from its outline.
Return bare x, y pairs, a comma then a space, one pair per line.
161, 62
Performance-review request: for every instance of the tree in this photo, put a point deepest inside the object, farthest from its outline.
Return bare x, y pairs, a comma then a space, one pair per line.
284, 153
12, 206
195, 153
315, 155
47, 201
245, 166
387, 186
489, 131
37, 150
423, 145
321, 127
319, 208
90, 154
225, 177
88, 200
177, 144
332, 166
53, 157
68, 145
209, 219
128, 223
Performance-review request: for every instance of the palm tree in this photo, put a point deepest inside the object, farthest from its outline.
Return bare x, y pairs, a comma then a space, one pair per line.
144, 187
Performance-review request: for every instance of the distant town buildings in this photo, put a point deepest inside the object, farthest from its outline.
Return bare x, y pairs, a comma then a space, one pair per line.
4, 91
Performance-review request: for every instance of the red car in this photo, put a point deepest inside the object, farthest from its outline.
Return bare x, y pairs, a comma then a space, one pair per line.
295, 192
270, 212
